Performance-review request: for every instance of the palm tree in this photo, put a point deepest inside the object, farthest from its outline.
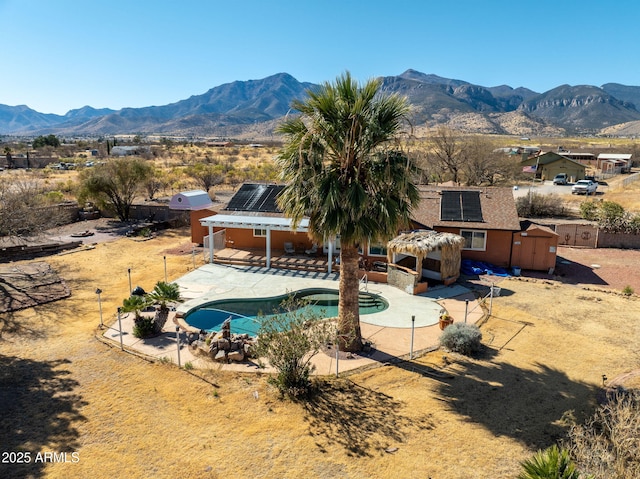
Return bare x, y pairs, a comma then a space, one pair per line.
344, 171
164, 293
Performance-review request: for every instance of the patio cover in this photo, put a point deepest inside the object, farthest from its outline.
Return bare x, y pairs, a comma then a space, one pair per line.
274, 223
419, 243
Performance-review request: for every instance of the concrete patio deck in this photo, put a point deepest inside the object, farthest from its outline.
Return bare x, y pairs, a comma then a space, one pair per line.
389, 331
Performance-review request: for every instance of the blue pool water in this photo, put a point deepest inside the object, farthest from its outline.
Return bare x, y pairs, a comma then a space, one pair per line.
244, 312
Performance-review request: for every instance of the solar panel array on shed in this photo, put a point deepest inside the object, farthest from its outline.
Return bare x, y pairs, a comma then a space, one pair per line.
255, 197
461, 206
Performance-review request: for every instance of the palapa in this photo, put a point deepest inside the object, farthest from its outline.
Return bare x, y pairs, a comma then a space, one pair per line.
420, 243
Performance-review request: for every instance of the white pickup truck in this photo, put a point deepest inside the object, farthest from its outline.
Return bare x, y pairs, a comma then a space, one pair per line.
584, 187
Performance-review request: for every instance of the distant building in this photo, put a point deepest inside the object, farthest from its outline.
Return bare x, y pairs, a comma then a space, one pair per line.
129, 150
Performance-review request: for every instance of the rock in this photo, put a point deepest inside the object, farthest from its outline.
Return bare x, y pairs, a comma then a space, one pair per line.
224, 344
237, 356
220, 356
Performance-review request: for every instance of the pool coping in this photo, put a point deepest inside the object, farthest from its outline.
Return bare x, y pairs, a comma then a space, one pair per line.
393, 336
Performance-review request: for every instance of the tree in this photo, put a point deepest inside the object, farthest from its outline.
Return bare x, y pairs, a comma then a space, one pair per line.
344, 172
482, 165
155, 182
207, 175
447, 152
8, 153
289, 341
115, 184
22, 206
49, 140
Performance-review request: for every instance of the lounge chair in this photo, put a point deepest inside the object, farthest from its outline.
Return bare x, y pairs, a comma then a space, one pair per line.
288, 248
313, 250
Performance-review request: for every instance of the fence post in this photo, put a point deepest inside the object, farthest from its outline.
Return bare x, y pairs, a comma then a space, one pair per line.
466, 309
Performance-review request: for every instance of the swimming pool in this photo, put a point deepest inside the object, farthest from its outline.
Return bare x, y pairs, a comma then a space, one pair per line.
244, 311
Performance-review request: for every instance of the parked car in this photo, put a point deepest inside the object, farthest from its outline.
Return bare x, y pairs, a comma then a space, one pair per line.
586, 187
560, 179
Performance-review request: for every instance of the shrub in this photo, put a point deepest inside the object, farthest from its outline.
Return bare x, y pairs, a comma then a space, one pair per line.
627, 290
144, 326
289, 341
607, 444
589, 210
552, 463
461, 338
537, 205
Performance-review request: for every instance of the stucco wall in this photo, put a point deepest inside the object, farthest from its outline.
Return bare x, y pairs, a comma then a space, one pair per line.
498, 247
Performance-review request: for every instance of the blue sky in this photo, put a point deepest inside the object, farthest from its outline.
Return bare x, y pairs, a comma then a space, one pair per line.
58, 55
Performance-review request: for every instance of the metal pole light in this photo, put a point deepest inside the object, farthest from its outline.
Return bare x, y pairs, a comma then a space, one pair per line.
178, 342
98, 291
165, 269
130, 288
120, 326
413, 329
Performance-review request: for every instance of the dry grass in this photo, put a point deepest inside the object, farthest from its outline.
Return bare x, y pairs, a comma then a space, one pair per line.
62, 390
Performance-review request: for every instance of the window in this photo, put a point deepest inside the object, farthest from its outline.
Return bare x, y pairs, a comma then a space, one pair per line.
474, 240
377, 249
259, 232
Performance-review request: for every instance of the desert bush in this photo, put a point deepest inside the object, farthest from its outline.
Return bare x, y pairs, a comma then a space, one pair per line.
608, 444
461, 338
589, 210
537, 205
289, 341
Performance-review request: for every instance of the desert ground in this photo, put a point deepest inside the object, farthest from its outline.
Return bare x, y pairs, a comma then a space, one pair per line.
549, 342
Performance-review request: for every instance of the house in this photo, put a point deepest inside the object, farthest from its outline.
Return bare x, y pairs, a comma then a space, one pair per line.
614, 163
485, 217
550, 164
252, 220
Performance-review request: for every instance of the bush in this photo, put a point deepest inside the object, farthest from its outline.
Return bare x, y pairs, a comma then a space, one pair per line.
589, 210
461, 338
537, 205
289, 341
552, 463
607, 445
145, 326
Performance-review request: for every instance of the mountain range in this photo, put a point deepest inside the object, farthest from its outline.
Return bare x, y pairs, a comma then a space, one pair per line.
252, 109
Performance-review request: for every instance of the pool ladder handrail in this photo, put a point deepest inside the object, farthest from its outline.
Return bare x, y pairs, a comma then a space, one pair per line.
364, 280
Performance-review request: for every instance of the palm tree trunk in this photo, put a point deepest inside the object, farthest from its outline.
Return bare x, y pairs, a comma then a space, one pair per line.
350, 336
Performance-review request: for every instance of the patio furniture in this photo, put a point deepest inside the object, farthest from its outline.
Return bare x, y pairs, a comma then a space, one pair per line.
313, 250
288, 248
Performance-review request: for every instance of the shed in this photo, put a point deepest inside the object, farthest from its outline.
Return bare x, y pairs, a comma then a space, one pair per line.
199, 204
535, 248
193, 200
425, 254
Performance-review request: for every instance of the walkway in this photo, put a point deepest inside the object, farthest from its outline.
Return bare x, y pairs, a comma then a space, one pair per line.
389, 331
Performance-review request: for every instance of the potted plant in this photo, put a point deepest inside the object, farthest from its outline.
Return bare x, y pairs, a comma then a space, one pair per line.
445, 320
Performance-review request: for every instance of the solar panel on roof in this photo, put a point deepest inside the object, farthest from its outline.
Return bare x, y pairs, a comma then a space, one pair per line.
461, 206
471, 209
450, 206
254, 197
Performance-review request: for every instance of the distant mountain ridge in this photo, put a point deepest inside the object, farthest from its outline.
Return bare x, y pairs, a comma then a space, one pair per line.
253, 108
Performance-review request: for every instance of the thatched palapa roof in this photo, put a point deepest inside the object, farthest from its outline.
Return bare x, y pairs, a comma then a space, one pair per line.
419, 243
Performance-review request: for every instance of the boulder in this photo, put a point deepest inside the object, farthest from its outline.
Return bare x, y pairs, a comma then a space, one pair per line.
221, 356
237, 356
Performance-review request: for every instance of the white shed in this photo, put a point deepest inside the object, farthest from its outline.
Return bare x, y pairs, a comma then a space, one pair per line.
193, 200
